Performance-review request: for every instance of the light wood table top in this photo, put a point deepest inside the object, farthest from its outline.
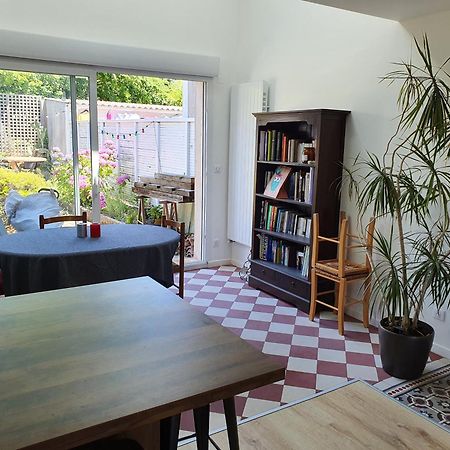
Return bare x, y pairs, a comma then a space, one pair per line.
82, 363
16, 162
24, 159
356, 416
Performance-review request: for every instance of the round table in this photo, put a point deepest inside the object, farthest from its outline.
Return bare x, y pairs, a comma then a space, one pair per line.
55, 258
16, 162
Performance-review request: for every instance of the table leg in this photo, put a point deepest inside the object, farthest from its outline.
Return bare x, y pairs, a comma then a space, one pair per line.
170, 428
141, 210
201, 420
230, 417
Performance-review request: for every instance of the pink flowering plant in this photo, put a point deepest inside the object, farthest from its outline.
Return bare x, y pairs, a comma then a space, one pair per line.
116, 198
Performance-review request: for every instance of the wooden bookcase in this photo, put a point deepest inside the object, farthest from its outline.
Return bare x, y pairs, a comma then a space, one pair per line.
327, 129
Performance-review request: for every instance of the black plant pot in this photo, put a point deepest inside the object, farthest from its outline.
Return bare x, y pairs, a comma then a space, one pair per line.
403, 356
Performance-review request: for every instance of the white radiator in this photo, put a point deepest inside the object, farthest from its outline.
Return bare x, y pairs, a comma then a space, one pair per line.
246, 99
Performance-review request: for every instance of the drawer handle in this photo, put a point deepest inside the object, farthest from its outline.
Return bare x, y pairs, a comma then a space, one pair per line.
293, 283
263, 271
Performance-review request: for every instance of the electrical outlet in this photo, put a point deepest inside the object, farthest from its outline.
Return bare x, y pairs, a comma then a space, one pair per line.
217, 169
440, 315
215, 243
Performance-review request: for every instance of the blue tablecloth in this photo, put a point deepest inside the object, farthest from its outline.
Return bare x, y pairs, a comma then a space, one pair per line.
41, 260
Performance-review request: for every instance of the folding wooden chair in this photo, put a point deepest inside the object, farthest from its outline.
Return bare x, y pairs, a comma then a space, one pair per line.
340, 270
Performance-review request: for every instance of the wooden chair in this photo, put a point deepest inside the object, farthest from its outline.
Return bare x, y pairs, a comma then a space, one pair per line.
340, 270
177, 268
44, 221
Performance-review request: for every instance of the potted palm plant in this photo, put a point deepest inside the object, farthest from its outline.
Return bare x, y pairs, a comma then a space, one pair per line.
408, 190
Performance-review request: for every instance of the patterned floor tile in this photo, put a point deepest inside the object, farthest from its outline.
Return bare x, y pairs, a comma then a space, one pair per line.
315, 355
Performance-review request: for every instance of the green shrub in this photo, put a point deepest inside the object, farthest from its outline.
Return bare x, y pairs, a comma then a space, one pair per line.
25, 183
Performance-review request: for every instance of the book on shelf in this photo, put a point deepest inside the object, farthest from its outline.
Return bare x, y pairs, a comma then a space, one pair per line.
299, 185
276, 186
282, 220
279, 252
278, 146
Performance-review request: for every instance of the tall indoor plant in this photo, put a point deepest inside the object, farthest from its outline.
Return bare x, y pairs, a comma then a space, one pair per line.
408, 190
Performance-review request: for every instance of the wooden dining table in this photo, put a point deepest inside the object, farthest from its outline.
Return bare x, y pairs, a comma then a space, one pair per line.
118, 358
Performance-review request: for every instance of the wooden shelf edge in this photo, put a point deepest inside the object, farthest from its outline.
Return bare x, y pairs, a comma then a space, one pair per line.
289, 201
285, 163
285, 237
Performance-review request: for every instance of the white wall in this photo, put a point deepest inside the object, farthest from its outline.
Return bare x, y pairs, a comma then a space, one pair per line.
195, 26
438, 30
319, 57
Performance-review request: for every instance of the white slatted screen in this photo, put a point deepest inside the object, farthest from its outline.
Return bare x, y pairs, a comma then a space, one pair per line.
246, 99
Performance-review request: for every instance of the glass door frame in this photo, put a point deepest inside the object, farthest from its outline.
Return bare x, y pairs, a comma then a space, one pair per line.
71, 70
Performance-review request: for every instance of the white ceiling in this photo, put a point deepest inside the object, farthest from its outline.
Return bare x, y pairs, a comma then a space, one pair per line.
390, 9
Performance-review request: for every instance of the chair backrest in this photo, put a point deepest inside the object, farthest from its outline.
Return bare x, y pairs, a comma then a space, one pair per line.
46, 220
342, 242
180, 228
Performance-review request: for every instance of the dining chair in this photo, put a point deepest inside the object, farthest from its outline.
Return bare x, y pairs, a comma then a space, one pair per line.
177, 267
44, 221
341, 270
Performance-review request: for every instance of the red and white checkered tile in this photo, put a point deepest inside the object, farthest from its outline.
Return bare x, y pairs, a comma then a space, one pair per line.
315, 355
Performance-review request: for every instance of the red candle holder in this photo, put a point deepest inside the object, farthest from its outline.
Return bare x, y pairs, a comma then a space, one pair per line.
95, 230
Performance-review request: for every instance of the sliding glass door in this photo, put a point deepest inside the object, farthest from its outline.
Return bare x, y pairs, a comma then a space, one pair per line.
48, 137
97, 134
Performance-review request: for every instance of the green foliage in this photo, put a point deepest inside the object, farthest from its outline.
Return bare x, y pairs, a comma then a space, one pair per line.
42, 84
155, 212
62, 178
409, 188
138, 89
121, 202
25, 183
110, 87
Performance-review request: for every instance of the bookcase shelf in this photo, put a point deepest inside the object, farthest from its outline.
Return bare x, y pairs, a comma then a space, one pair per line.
287, 201
302, 240
288, 164
280, 261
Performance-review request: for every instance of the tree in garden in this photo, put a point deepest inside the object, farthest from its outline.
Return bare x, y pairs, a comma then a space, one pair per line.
110, 87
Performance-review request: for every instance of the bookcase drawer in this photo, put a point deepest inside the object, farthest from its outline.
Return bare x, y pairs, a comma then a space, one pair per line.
263, 273
297, 287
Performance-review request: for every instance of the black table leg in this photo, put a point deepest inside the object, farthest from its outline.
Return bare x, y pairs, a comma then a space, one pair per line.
169, 429
230, 417
201, 420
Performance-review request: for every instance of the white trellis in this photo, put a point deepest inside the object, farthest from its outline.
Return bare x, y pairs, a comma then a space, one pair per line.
19, 115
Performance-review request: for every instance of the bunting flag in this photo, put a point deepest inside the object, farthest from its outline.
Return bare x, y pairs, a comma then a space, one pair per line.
124, 135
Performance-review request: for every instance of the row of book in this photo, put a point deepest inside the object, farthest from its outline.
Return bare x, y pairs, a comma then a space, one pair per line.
299, 185
277, 146
281, 220
278, 252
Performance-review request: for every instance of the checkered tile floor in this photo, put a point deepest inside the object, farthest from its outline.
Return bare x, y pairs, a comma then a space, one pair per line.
315, 355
